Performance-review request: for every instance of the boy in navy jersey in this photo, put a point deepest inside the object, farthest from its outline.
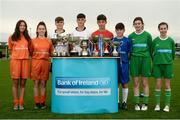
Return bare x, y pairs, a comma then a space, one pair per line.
123, 63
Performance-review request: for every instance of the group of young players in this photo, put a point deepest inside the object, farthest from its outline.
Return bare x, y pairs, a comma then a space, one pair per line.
139, 55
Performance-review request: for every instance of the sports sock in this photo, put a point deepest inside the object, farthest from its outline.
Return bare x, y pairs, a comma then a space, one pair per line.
158, 96
124, 95
167, 96
136, 99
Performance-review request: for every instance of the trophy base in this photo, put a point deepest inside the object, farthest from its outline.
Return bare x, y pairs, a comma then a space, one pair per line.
74, 54
115, 54
95, 54
84, 53
106, 54
55, 54
64, 55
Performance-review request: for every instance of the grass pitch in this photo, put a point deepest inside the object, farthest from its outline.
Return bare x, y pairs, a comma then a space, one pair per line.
6, 110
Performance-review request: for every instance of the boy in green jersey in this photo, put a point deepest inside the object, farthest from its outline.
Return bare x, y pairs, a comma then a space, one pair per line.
140, 63
163, 52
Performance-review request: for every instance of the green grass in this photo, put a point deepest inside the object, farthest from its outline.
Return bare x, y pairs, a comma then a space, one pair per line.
7, 112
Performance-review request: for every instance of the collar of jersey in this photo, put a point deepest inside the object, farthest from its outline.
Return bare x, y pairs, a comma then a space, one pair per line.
139, 33
82, 30
163, 38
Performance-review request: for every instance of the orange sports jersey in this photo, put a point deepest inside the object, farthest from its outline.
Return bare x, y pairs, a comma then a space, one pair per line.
105, 34
41, 48
19, 49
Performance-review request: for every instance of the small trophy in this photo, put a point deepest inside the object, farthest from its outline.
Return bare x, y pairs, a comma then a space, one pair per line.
65, 46
56, 42
61, 46
55, 53
95, 51
101, 46
106, 46
84, 46
115, 46
54, 39
73, 41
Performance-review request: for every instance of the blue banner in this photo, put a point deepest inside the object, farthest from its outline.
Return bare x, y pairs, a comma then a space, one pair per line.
84, 85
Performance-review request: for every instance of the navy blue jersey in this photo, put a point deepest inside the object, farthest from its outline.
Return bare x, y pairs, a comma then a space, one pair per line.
125, 48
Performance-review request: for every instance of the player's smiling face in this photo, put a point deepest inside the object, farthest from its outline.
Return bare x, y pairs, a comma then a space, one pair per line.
138, 25
22, 27
120, 32
163, 30
101, 24
81, 21
59, 24
41, 30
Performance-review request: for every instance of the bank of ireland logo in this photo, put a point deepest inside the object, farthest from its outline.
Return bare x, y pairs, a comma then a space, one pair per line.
103, 82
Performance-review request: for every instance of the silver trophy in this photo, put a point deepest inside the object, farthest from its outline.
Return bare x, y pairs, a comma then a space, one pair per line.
106, 46
84, 46
55, 40
74, 42
95, 52
115, 45
61, 46
65, 47
55, 53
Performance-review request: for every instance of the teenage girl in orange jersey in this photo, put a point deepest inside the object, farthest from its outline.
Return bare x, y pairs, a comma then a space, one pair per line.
41, 49
18, 44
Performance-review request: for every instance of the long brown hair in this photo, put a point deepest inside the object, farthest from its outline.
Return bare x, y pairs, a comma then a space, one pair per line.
16, 34
41, 23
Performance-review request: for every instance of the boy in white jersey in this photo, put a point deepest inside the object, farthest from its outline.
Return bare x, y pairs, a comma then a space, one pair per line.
59, 31
80, 30
59, 22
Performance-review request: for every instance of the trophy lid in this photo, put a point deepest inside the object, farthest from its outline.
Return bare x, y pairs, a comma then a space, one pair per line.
116, 43
106, 39
95, 39
74, 39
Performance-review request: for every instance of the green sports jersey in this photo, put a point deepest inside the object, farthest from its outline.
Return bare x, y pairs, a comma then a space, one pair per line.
163, 51
141, 44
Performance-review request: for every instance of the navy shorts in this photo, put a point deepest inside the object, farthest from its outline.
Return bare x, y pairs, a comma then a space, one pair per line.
123, 72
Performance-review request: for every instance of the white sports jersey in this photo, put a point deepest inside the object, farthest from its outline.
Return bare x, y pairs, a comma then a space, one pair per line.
85, 33
54, 35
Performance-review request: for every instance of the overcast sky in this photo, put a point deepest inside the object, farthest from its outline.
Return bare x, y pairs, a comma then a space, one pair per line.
33, 11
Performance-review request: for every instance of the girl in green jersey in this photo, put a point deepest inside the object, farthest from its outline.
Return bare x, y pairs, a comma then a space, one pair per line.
140, 63
163, 52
